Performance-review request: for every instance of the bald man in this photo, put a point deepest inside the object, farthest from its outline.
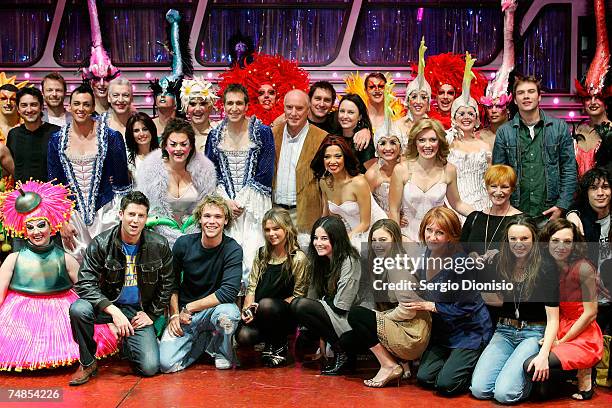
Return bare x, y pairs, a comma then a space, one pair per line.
295, 187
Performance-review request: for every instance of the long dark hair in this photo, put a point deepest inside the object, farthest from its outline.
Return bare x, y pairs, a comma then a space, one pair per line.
130, 140
396, 234
364, 122
552, 227
507, 260
325, 272
351, 164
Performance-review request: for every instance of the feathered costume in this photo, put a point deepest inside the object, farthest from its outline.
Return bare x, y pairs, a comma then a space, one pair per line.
355, 84
447, 69
152, 181
281, 74
182, 63
36, 329
497, 90
597, 83
471, 166
99, 64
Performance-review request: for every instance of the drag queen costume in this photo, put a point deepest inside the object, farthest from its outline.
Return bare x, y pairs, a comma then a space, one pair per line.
245, 176
273, 70
471, 166
419, 91
447, 69
37, 282
196, 88
394, 109
597, 83
171, 216
98, 181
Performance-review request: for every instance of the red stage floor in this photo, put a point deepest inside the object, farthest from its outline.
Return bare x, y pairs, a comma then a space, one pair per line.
254, 385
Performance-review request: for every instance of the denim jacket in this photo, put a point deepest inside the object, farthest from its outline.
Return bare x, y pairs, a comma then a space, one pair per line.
557, 154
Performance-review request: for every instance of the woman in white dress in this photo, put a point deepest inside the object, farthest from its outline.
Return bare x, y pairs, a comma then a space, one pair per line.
345, 192
389, 143
468, 152
424, 179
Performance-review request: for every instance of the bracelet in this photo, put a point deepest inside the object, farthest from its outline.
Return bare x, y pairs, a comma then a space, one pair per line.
173, 316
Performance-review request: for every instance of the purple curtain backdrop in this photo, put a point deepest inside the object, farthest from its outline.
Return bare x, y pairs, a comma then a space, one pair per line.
24, 31
309, 36
391, 35
309, 32
131, 28
545, 49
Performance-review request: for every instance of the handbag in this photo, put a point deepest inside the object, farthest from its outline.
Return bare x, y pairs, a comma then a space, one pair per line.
602, 368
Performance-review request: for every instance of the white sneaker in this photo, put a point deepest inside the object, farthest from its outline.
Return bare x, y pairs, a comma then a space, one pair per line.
221, 363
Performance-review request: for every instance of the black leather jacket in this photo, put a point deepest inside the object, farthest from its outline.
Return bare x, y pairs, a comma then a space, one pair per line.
102, 273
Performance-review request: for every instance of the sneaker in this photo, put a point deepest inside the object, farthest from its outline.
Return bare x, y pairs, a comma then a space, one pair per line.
221, 363
266, 353
278, 356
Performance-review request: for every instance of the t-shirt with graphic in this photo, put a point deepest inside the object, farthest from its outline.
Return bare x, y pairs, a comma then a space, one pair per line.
129, 293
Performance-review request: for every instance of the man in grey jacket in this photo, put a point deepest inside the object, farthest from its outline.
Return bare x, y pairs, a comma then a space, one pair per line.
541, 151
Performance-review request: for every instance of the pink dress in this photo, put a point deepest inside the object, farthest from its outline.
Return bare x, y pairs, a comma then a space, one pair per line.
36, 330
585, 350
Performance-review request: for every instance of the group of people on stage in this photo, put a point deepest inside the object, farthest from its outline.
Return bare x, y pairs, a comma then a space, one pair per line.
239, 234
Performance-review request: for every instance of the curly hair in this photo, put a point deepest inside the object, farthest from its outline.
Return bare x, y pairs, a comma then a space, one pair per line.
422, 126
351, 164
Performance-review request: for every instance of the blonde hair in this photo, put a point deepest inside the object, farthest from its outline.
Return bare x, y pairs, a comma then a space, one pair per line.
216, 200
499, 174
280, 217
446, 219
422, 126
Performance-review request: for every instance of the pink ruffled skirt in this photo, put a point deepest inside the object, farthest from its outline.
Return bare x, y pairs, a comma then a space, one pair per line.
35, 332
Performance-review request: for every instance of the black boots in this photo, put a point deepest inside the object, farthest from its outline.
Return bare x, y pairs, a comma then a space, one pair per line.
344, 363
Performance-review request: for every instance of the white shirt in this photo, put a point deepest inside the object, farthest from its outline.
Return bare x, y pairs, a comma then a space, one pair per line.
291, 148
57, 120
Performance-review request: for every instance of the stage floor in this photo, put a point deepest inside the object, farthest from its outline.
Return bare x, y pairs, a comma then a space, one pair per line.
253, 385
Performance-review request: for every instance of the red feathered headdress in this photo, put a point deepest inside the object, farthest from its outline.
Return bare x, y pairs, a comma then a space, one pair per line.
594, 83
448, 69
283, 75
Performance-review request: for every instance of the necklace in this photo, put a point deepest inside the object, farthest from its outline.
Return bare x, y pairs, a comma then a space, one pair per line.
521, 285
487, 246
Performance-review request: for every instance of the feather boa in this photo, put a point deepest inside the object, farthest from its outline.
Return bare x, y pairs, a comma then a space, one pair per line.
152, 180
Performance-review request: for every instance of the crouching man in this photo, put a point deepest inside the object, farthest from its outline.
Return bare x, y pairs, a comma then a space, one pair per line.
126, 279
208, 269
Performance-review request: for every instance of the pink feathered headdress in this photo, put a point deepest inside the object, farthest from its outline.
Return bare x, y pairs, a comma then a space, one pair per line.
34, 200
100, 65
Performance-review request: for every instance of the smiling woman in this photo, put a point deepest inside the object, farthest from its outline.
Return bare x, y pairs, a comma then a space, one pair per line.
175, 178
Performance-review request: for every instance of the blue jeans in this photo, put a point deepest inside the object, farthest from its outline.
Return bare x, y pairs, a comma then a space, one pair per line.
140, 349
210, 331
499, 371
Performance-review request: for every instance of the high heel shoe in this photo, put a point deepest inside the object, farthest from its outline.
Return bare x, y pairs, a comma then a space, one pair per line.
395, 374
585, 395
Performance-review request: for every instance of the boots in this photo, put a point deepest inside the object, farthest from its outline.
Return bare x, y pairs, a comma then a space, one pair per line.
344, 363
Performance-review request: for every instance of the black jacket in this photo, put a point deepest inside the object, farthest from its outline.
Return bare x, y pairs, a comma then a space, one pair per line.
102, 273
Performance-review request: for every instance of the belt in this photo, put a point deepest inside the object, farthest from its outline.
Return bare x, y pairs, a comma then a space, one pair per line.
519, 324
285, 206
